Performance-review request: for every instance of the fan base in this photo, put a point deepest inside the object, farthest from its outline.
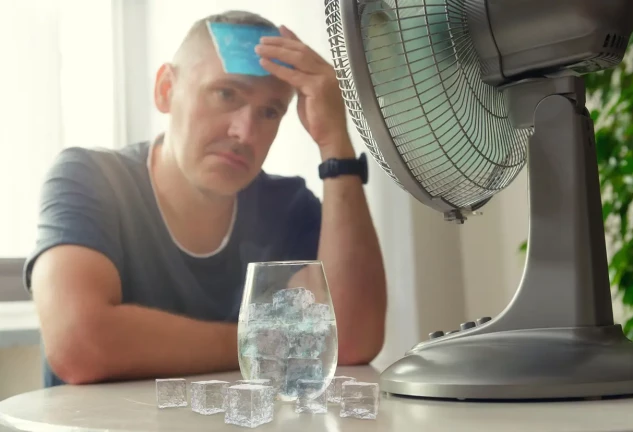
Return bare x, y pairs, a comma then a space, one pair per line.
585, 362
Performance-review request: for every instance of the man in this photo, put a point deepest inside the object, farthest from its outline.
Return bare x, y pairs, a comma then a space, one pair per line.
141, 253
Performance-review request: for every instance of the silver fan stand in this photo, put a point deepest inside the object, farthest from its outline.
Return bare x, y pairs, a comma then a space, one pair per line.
556, 338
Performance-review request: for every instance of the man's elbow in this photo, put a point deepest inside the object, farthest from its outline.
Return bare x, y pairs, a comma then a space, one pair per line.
75, 373
360, 352
77, 357
355, 359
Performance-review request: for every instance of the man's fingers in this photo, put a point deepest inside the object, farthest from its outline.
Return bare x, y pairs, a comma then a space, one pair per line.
285, 42
285, 31
297, 59
294, 77
289, 42
296, 45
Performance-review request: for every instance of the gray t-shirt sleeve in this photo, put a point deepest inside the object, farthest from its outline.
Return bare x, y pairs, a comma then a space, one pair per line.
77, 207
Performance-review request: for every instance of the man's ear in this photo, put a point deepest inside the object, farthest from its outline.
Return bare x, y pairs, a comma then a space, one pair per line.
163, 88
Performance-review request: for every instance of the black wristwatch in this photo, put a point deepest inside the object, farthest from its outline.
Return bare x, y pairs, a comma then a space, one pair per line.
336, 167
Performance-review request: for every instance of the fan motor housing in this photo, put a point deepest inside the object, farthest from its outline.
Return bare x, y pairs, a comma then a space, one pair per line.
518, 39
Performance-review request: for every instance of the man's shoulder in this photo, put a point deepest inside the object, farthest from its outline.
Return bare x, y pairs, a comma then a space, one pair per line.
101, 156
99, 166
89, 174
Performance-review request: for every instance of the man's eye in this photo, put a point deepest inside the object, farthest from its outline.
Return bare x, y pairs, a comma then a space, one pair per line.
271, 113
226, 94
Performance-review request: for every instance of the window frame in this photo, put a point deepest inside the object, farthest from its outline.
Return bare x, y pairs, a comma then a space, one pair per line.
11, 284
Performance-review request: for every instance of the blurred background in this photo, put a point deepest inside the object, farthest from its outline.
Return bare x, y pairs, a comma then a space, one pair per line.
81, 73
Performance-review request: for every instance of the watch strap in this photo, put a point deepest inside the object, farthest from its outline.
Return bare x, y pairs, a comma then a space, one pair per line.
337, 167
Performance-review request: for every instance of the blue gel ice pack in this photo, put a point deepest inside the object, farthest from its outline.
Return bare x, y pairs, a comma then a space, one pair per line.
235, 44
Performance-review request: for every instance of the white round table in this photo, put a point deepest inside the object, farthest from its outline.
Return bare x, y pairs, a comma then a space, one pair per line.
131, 407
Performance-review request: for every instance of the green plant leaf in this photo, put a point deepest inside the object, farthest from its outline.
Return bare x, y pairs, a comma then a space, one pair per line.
607, 208
618, 259
628, 328
623, 212
627, 283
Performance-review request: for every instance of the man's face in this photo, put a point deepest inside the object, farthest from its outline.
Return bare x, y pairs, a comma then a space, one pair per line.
222, 125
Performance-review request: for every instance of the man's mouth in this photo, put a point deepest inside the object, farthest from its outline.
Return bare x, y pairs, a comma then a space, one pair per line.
232, 159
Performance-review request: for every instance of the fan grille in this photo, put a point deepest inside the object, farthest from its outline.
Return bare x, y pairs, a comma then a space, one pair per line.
449, 127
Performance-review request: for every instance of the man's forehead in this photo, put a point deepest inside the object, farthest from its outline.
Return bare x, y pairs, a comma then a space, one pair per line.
210, 72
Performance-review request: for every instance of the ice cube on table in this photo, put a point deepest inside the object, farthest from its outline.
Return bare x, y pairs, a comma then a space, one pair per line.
171, 392
208, 397
249, 405
335, 388
261, 381
265, 342
311, 397
359, 400
301, 368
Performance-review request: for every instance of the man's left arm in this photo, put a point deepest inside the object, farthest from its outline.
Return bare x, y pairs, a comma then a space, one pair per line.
348, 244
351, 256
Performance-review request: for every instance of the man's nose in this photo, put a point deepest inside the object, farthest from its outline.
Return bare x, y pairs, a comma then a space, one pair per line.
243, 125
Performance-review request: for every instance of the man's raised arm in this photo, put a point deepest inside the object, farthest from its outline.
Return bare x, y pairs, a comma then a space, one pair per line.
352, 258
348, 243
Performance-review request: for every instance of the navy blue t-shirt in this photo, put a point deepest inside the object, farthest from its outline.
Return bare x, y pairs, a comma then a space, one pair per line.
104, 200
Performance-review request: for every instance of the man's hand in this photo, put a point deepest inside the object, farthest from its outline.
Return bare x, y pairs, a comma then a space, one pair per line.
320, 106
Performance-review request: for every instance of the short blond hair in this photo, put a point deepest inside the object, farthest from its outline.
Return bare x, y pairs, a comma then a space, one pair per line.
197, 37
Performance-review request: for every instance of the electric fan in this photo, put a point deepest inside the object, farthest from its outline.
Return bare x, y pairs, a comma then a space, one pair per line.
452, 99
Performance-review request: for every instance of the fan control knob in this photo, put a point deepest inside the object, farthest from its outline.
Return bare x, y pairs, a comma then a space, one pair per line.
452, 331
483, 320
467, 325
436, 334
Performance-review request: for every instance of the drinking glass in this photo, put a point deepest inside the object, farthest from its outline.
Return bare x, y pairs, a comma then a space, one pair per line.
287, 328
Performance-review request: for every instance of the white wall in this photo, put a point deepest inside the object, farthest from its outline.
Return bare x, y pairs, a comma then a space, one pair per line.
137, 105
492, 264
20, 370
423, 266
